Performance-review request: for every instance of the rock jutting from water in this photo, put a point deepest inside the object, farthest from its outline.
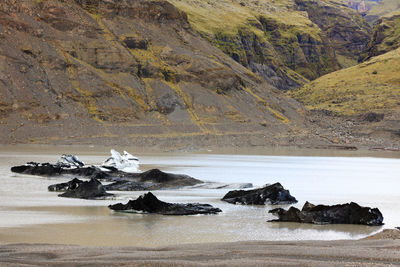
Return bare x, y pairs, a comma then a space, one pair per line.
92, 189
62, 187
274, 194
349, 213
153, 179
149, 203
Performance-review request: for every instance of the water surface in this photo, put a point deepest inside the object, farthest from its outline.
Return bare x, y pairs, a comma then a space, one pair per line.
32, 214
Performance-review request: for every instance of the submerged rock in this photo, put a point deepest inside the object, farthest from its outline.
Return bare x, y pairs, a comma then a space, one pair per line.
92, 189
350, 213
151, 204
128, 186
218, 185
274, 194
71, 185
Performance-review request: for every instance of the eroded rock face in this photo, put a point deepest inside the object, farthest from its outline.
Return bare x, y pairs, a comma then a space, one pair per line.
151, 204
385, 36
346, 30
92, 189
274, 194
75, 67
350, 213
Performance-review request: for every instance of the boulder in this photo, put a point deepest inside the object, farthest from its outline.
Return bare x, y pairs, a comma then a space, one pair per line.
92, 189
274, 194
349, 213
62, 187
149, 203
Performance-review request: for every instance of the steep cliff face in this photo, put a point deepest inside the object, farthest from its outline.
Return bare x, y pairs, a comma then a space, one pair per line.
346, 30
123, 71
272, 39
385, 37
286, 42
381, 8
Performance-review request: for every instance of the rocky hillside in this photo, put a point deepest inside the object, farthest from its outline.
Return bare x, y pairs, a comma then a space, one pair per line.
129, 72
385, 37
286, 42
365, 97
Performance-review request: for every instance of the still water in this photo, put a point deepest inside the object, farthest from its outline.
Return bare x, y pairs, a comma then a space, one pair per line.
31, 214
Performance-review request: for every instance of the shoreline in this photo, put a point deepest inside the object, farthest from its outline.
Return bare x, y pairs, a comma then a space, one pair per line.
380, 250
277, 150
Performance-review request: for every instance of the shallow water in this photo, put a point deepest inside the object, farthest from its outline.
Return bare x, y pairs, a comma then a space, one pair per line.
31, 214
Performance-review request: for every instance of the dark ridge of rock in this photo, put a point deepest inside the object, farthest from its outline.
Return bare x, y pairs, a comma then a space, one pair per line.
338, 147
157, 176
151, 204
346, 30
92, 189
350, 213
274, 194
71, 185
47, 169
372, 117
150, 180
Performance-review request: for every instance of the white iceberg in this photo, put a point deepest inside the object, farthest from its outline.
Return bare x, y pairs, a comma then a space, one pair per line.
125, 162
70, 161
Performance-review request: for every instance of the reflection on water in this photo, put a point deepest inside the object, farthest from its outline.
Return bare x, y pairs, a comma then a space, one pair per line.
31, 214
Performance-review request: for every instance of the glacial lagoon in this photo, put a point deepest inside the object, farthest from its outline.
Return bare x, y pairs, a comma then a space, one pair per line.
31, 214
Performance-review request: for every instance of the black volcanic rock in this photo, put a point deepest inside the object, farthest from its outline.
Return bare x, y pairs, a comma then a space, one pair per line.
151, 204
47, 169
350, 213
87, 190
153, 179
274, 194
71, 185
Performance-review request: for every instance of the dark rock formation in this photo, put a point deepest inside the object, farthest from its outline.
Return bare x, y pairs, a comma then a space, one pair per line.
71, 185
345, 29
337, 214
47, 169
149, 180
150, 204
274, 194
87, 190
372, 117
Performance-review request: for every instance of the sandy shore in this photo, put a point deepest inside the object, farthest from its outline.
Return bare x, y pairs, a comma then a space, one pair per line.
381, 250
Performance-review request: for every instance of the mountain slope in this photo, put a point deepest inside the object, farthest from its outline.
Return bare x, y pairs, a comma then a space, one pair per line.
126, 72
370, 86
385, 37
286, 42
364, 99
